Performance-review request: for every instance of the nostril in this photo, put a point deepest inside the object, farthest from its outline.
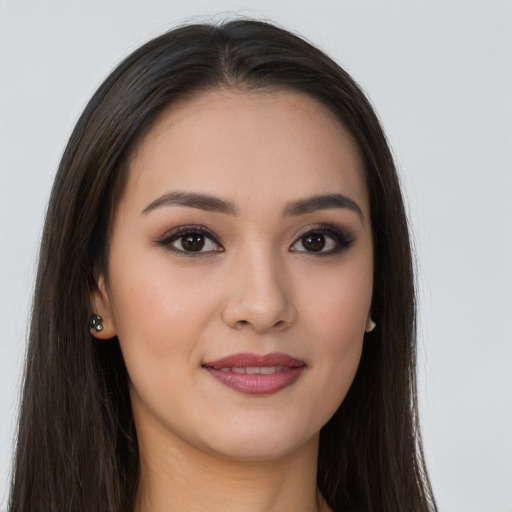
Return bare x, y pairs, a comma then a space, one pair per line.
279, 324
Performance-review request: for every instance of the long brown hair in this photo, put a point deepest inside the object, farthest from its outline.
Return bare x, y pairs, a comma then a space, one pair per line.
77, 446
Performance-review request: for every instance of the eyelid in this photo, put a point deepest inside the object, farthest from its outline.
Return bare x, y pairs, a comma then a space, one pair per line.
179, 231
341, 237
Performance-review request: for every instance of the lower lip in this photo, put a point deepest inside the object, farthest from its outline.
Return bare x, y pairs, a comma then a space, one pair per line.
257, 384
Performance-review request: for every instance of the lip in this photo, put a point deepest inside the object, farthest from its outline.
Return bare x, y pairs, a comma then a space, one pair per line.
287, 370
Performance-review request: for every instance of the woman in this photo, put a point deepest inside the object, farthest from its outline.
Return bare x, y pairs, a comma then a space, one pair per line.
224, 311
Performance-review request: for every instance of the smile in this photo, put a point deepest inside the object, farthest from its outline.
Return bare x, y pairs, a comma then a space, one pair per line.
256, 374
253, 370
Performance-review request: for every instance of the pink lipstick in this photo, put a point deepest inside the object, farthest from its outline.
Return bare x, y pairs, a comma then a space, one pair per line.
256, 374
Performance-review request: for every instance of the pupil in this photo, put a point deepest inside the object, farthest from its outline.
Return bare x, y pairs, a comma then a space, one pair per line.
315, 242
193, 242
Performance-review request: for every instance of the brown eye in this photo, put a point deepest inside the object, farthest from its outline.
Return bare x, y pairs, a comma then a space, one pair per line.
322, 241
313, 242
193, 242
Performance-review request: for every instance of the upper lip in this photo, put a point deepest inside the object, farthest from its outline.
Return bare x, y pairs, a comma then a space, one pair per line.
247, 359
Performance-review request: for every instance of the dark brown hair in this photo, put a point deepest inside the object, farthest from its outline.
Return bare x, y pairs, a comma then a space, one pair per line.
76, 446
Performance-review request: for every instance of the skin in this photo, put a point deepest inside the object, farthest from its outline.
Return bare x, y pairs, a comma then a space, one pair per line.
257, 289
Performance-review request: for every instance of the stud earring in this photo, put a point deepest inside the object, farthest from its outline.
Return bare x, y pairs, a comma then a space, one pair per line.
95, 322
370, 325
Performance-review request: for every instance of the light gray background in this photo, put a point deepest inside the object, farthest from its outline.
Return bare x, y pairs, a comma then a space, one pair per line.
440, 75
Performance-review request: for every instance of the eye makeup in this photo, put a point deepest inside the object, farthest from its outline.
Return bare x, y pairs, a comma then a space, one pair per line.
196, 240
322, 240
190, 241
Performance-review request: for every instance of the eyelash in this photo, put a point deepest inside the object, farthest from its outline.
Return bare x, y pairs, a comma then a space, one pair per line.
181, 232
341, 239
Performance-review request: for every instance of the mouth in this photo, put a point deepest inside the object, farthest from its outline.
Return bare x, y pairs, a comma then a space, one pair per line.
256, 374
254, 370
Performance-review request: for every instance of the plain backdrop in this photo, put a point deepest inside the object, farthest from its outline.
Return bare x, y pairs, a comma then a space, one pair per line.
440, 76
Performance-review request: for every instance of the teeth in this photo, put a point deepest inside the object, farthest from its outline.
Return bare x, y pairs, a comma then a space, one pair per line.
255, 370
268, 370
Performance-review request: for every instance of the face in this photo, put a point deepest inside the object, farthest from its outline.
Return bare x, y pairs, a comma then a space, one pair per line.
240, 273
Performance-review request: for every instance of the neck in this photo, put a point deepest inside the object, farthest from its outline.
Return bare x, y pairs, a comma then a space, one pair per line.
176, 476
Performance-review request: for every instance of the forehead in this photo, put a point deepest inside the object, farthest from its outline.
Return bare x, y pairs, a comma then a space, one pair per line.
245, 144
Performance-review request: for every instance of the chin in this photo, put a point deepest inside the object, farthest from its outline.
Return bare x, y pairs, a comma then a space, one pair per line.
259, 444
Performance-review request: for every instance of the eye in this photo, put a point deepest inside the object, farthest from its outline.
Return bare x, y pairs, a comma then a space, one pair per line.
323, 241
190, 241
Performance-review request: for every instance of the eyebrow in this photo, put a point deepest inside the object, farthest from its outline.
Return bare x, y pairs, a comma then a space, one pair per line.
215, 204
193, 200
322, 202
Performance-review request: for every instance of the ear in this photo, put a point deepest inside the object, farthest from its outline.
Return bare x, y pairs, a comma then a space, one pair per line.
100, 303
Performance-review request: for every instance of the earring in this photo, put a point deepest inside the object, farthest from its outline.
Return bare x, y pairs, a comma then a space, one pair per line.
370, 325
95, 322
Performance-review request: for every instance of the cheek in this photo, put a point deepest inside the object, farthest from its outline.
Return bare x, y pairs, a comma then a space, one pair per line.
337, 302
337, 310
160, 317
156, 311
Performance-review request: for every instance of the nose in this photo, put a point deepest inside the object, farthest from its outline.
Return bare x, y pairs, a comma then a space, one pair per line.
259, 295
